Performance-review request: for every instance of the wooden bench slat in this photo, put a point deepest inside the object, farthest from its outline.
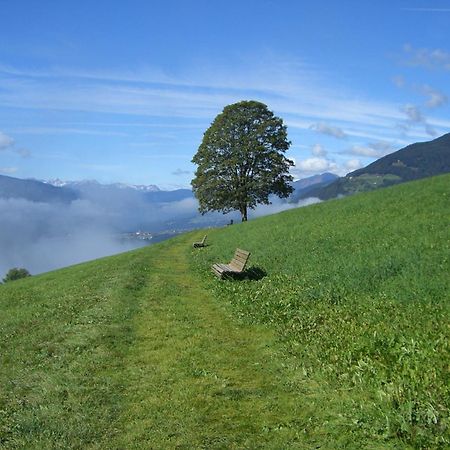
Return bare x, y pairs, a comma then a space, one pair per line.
200, 243
236, 265
240, 258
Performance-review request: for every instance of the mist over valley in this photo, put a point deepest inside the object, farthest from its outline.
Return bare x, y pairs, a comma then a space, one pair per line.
49, 225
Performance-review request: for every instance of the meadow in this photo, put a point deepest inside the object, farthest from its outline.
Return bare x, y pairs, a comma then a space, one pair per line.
358, 291
337, 337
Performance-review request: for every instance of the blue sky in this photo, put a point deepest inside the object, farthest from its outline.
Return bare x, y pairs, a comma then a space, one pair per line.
123, 91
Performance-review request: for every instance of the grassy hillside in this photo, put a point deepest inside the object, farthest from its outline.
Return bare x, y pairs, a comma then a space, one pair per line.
358, 289
344, 343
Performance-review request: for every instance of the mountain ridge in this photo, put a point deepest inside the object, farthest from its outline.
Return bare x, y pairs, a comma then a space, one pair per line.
75, 184
34, 190
413, 162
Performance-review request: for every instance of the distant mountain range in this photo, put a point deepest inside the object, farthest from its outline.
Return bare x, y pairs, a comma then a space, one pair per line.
94, 183
419, 160
415, 161
51, 191
303, 187
58, 191
34, 191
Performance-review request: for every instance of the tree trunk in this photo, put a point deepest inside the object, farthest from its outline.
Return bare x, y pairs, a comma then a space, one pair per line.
244, 213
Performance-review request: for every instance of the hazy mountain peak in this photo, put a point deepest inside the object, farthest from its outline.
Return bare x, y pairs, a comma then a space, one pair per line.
94, 183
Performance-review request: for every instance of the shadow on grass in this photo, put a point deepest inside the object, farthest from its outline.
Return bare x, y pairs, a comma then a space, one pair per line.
252, 273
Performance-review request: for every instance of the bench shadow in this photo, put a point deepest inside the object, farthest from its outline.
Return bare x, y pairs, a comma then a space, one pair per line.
252, 273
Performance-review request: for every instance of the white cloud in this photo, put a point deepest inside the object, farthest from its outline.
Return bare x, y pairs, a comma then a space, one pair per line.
318, 150
353, 164
314, 165
414, 117
279, 205
301, 94
298, 93
23, 152
328, 130
374, 149
6, 142
435, 98
361, 150
8, 170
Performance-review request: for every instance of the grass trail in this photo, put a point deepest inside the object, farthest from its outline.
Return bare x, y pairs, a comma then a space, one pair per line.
132, 352
197, 379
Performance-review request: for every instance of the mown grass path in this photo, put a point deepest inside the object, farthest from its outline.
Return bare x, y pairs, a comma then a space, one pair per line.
196, 378
132, 351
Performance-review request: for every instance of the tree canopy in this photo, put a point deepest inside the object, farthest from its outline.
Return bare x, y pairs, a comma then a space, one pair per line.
241, 160
15, 274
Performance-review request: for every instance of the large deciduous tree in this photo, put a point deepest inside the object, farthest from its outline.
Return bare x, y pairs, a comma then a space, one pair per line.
241, 160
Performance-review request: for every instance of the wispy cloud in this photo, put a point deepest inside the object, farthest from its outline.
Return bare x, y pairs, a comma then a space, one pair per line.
7, 143
278, 205
371, 150
399, 81
180, 172
353, 164
67, 131
383, 147
413, 113
361, 150
329, 130
435, 99
301, 94
304, 96
425, 57
318, 150
414, 116
439, 10
8, 170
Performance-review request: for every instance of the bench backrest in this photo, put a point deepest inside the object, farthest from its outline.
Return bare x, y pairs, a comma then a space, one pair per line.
203, 240
239, 260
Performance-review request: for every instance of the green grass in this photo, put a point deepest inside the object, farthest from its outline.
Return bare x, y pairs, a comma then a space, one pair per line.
343, 344
358, 290
132, 352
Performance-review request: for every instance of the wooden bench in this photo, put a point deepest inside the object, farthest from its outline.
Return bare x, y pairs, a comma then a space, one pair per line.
200, 243
236, 265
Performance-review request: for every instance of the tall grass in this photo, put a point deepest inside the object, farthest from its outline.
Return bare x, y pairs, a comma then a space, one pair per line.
358, 291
